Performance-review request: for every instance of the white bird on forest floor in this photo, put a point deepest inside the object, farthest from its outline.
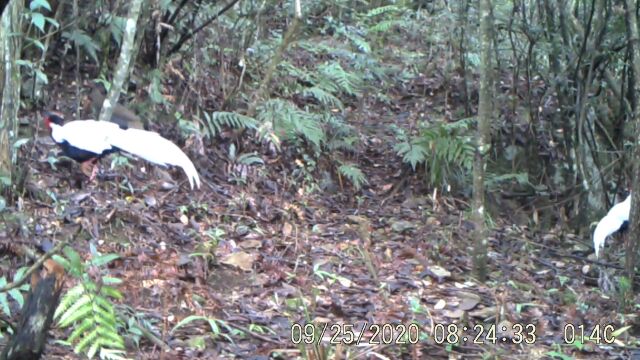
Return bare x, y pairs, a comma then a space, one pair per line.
86, 141
612, 222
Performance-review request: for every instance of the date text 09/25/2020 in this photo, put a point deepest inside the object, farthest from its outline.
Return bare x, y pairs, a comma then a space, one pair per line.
399, 333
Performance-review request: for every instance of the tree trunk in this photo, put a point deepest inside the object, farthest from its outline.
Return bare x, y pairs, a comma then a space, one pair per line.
122, 69
32, 331
10, 46
634, 218
288, 38
483, 143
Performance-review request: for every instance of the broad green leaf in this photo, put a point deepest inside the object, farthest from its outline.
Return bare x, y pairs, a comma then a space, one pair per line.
104, 259
37, 4
37, 20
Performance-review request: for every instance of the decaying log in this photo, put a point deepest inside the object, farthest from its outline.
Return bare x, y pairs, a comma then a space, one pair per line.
30, 337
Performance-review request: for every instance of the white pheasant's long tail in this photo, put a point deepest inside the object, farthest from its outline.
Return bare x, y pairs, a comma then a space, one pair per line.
189, 170
156, 149
607, 226
611, 223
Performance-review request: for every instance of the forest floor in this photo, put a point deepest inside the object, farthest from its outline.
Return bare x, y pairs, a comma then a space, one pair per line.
258, 262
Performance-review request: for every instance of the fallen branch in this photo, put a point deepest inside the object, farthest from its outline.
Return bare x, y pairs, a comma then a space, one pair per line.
39, 262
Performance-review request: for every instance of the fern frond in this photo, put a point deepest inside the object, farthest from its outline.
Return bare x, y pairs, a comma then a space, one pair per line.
384, 26
266, 133
383, 10
77, 309
347, 143
494, 180
413, 154
291, 122
88, 307
361, 44
68, 300
80, 330
327, 84
444, 151
249, 159
340, 135
346, 81
84, 41
288, 69
218, 120
111, 292
353, 174
89, 339
324, 97
309, 128
462, 124
356, 39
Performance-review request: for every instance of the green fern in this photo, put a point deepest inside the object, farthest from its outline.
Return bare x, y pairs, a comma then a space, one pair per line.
384, 10
385, 26
88, 307
265, 132
412, 153
496, 181
443, 149
241, 163
308, 127
249, 159
353, 174
383, 18
325, 97
117, 25
340, 134
218, 120
346, 143
290, 122
83, 41
291, 70
346, 81
15, 294
308, 111
214, 324
356, 39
